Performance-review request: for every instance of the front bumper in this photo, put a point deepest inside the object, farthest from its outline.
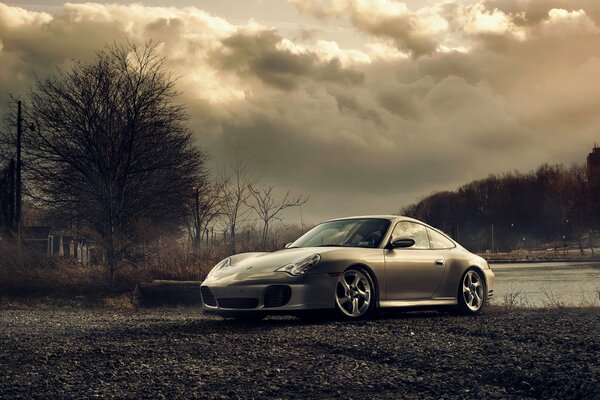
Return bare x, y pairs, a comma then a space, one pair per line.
279, 295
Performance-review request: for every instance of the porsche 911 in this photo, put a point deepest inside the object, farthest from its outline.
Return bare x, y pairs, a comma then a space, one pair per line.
355, 266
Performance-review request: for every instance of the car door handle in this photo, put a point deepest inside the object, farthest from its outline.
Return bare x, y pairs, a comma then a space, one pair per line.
440, 261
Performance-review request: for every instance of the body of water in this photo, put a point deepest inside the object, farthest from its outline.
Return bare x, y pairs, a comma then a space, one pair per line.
546, 284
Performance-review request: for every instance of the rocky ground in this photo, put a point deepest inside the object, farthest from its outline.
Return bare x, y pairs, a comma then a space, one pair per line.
175, 353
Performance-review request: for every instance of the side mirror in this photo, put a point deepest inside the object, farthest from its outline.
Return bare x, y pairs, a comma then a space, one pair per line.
402, 242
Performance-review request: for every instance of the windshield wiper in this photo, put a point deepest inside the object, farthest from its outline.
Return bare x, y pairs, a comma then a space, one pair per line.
330, 245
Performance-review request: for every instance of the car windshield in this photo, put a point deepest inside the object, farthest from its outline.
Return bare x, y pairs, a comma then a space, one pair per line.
366, 233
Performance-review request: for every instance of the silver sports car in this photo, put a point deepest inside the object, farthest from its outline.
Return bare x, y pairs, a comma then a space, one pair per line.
353, 265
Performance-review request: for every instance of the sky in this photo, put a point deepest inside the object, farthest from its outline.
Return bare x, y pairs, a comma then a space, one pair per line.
367, 106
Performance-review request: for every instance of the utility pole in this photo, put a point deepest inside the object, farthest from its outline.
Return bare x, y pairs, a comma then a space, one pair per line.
18, 182
11, 195
492, 238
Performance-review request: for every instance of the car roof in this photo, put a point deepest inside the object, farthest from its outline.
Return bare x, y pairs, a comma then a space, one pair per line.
391, 217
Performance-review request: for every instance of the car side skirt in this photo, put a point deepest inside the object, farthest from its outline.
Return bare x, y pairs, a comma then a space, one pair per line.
447, 301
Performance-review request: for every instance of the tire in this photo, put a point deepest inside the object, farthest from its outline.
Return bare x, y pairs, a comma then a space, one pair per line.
355, 294
471, 292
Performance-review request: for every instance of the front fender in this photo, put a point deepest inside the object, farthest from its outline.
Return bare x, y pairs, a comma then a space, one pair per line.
370, 259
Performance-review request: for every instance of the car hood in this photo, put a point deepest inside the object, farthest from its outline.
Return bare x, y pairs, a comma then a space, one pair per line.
262, 264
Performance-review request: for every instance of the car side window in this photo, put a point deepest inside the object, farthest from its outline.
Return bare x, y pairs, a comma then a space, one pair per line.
414, 231
439, 241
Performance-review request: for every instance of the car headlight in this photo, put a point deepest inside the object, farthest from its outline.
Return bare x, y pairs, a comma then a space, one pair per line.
222, 264
300, 267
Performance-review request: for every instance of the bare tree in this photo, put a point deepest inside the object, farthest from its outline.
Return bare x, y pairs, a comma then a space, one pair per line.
572, 190
207, 205
268, 208
111, 147
236, 183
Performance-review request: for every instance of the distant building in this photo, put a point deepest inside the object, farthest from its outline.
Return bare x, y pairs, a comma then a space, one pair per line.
593, 170
7, 197
44, 241
593, 165
65, 244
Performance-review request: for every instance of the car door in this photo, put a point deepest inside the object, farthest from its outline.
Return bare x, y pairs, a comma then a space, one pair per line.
414, 272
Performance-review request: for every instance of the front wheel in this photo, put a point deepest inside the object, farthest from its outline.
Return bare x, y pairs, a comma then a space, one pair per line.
471, 292
355, 294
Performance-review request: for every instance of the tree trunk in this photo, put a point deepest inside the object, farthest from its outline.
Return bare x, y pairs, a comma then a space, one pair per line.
580, 244
110, 258
265, 234
110, 261
232, 246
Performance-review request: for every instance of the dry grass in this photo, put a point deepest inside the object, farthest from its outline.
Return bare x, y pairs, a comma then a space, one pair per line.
35, 280
512, 300
517, 300
551, 300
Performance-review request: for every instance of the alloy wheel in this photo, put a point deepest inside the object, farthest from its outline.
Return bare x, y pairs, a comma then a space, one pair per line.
472, 288
354, 293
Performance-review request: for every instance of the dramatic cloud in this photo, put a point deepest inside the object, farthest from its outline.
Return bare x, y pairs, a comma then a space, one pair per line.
409, 101
411, 31
259, 54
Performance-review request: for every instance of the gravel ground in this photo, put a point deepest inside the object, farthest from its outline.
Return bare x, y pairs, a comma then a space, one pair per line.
174, 353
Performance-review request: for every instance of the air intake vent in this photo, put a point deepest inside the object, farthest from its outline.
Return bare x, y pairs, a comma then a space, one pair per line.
239, 303
277, 295
207, 296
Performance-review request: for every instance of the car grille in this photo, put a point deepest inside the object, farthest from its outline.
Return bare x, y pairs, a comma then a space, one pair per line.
232, 302
277, 295
207, 296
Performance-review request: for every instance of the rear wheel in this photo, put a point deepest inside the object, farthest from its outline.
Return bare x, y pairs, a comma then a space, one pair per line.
355, 294
471, 292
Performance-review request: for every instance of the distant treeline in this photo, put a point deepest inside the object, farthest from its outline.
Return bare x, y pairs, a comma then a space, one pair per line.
546, 208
